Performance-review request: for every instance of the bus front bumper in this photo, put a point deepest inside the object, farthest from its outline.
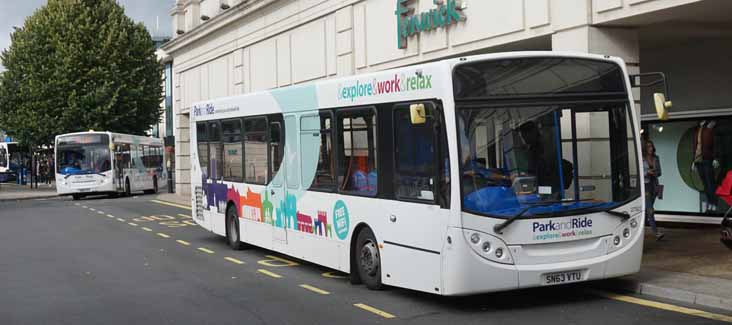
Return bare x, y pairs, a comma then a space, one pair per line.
466, 273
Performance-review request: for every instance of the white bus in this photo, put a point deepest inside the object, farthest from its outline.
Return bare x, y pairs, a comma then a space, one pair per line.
108, 163
8, 160
463, 176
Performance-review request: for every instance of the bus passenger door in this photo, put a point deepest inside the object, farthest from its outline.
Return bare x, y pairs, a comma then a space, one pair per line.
118, 168
416, 220
277, 184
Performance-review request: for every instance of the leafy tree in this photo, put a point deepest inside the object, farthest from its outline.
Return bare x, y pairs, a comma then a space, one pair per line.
77, 65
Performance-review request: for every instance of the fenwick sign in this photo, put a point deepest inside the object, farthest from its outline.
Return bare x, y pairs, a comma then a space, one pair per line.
447, 12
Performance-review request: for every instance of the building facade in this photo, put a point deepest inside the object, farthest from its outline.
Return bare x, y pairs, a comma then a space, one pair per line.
230, 47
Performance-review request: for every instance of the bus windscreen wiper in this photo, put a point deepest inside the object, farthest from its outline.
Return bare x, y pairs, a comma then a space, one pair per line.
499, 227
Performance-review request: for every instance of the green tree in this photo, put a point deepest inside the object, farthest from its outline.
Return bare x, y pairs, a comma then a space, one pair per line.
77, 65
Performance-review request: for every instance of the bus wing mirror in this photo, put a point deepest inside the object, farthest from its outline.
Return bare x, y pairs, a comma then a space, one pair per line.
662, 105
417, 114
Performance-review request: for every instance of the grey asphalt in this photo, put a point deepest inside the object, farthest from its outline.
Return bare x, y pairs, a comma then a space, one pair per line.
65, 264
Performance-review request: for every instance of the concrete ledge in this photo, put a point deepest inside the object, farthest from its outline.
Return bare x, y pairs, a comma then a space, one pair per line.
686, 295
4, 198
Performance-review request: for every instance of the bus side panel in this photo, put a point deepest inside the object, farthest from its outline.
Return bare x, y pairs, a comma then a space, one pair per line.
313, 237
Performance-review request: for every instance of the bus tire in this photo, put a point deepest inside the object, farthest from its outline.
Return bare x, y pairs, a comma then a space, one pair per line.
76, 197
155, 185
368, 259
233, 237
128, 190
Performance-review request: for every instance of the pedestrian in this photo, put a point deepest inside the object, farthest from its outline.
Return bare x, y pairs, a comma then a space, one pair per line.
652, 171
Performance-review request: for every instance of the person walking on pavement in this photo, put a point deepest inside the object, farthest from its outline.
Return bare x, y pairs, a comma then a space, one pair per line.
652, 171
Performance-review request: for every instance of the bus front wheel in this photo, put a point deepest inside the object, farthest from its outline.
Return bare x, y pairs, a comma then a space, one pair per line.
369, 260
232, 229
76, 197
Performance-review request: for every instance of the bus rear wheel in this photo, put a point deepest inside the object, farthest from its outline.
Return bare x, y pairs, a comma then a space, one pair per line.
232, 229
368, 260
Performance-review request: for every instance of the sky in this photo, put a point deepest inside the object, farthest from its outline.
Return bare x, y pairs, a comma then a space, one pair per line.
149, 12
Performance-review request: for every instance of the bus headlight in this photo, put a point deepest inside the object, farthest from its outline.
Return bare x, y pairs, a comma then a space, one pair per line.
488, 246
475, 238
616, 240
634, 223
499, 253
626, 233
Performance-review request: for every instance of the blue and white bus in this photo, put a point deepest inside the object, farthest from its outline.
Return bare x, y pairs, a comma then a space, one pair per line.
9, 160
89, 163
463, 176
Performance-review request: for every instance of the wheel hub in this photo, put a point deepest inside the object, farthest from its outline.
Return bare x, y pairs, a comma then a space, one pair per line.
370, 258
233, 233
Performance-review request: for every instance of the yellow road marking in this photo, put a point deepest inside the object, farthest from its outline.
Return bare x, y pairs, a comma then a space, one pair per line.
92, 209
333, 275
374, 310
184, 216
111, 216
183, 242
272, 274
664, 306
314, 289
205, 250
84, 206
121, 220
276, 259
100, 212
132, 224
171, 204
233, 260
163, 235
146, 229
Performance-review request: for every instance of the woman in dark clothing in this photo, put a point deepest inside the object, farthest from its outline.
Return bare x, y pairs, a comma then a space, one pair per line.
652, 171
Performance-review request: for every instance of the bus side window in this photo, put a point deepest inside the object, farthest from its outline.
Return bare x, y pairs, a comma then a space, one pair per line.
320, 127
255, 150
202, 142
276, 150
215, 151
357, 167
233, 170
415, 153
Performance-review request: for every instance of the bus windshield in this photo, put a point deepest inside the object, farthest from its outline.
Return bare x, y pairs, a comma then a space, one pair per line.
83, 154
3, 157
516, 157
544, 136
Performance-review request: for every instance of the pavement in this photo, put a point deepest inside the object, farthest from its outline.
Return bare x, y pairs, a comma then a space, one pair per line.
689, 265
13, 191
136, 260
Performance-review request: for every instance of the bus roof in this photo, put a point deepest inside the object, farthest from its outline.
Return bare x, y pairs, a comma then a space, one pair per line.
422, 81
119, 137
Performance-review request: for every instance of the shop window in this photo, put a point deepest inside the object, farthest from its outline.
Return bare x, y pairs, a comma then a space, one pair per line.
414, 158
231, 131
694, 160
319, 127
202, 142
255, 147
216, 150
357, 169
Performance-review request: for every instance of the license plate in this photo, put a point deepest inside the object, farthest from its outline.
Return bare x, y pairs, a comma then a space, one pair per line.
562, 277
84, 189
